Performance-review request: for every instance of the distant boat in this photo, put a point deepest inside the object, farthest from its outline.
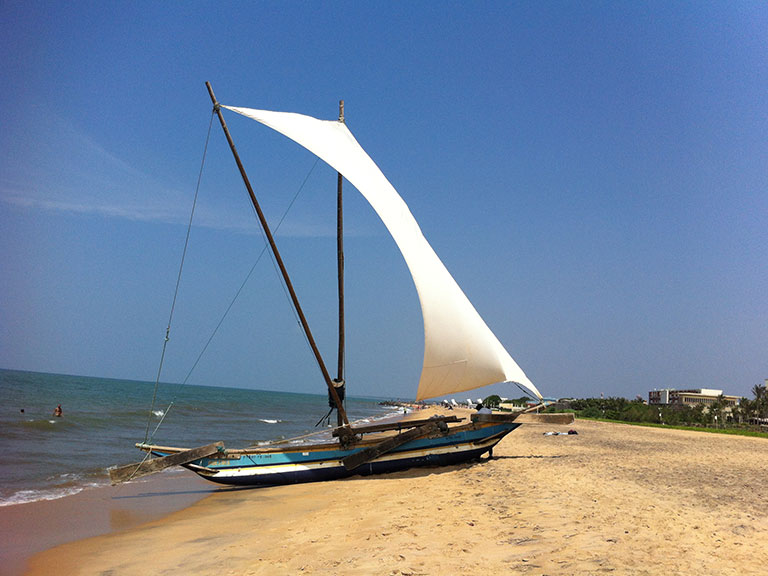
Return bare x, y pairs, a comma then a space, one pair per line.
460, 351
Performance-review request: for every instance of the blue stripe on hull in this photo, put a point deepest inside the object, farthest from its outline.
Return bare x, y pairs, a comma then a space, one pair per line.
339, 472
307, 455
324, 465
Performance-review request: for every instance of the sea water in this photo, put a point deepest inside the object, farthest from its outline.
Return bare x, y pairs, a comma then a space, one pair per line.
43, 457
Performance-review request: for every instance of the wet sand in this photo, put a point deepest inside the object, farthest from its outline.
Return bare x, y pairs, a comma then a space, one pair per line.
613, 499
27, 529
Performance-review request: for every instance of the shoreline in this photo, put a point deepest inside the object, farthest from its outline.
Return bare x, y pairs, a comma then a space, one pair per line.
30, 528
631, 500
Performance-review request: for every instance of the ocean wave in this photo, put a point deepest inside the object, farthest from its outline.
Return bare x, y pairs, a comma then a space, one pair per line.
41, 424
26, 496
116, 412
63, 485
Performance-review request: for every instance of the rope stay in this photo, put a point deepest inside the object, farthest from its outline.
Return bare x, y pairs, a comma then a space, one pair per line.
245, 280
325, 420
178, 281
147, 436
272, 256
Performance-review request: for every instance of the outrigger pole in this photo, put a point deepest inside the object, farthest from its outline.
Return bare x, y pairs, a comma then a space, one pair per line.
326, 376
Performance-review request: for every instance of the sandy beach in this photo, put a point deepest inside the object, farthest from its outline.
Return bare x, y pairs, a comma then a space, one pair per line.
613, 499
26, 529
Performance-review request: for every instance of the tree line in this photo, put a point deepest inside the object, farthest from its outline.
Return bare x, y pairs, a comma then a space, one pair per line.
747, 413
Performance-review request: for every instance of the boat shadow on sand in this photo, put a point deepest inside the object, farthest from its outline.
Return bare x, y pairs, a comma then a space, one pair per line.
424, 471
530, 456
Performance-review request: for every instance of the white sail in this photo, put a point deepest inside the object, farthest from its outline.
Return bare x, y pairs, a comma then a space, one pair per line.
460, 351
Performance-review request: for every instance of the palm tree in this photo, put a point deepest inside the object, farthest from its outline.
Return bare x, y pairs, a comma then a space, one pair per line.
761, 401
717, 410
743, 410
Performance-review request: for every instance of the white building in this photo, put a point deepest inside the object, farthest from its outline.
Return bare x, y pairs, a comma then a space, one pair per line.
693, 397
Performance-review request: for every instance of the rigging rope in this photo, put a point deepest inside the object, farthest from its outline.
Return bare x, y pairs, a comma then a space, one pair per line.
248, 276
178, 282
148, 438
326, 418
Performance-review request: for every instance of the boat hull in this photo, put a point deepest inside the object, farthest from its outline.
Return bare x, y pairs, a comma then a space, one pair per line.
316, 464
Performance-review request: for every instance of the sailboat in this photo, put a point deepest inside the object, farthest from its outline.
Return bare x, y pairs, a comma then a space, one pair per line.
460, 351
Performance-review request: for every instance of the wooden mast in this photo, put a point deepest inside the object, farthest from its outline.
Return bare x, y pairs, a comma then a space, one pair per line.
340, 265
279, 260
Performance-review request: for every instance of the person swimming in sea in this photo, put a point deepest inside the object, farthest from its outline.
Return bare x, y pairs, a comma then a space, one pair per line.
57, 411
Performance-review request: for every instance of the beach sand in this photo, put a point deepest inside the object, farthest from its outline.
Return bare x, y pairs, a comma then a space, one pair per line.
26, 529
613, 499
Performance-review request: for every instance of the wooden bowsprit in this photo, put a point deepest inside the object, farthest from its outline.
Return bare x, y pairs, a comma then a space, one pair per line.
150, 466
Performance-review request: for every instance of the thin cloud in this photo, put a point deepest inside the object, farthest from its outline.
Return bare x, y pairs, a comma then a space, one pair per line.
74, 174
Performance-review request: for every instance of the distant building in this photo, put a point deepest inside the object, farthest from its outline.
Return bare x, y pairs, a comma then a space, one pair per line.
511, 407
694, 397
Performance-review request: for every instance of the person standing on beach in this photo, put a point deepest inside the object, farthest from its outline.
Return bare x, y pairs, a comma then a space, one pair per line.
57, 411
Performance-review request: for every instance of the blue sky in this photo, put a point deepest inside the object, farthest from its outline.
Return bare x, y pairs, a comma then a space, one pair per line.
594, 175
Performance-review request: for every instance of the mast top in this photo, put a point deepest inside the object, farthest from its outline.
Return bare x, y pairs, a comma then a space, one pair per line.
341, 111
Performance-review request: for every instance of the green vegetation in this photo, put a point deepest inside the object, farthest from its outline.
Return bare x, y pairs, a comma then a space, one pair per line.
741, 431
742, 419
492, 401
